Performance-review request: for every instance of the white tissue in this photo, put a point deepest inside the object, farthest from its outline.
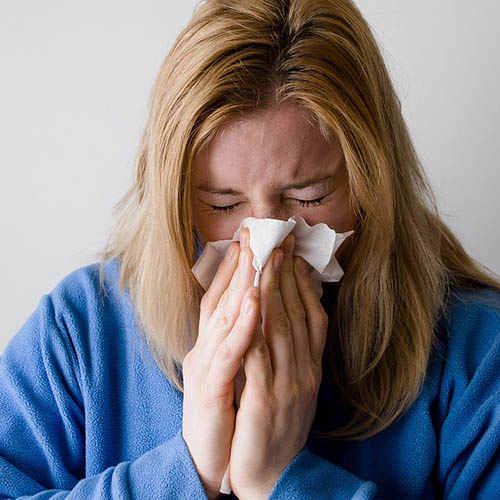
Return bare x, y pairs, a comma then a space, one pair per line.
315, 244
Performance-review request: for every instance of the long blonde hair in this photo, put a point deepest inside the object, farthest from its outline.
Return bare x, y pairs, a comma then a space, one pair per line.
240, 56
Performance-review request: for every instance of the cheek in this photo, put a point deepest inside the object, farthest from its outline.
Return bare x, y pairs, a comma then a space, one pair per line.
337, 216
211, 228
340, 213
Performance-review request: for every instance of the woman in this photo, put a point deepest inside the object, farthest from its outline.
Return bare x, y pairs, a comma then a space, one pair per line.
386, 388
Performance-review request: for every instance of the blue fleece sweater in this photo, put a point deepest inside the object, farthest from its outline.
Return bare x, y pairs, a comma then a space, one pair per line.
85, 412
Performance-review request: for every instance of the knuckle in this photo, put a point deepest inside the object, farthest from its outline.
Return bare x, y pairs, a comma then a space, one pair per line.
268, 291
261, 349
297, 310
272, 284
224, 321
205, 302
322, 321
283, 324
287, 265
223, 299
225, 352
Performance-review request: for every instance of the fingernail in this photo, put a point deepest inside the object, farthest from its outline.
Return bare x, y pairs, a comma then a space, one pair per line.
278, 259
245, 237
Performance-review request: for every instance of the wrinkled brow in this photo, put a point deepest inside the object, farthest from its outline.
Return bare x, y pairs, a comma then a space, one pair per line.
298, 185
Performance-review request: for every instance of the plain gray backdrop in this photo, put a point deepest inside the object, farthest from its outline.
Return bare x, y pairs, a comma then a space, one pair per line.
75, 81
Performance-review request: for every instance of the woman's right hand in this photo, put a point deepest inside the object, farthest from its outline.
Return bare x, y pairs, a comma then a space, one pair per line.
229, 314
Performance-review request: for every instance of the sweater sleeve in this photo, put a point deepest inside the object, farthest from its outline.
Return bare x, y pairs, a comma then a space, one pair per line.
469, 405
42, 429
310, 476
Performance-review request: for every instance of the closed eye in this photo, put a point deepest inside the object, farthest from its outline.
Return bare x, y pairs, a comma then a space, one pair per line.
311, 203
302, 203
228, 208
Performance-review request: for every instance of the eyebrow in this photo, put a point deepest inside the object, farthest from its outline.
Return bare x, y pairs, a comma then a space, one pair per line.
301, 185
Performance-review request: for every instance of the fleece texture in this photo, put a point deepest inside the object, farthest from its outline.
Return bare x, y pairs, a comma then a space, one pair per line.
85, 412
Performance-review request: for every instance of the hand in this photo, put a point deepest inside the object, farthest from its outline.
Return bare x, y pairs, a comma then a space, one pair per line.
229, 312
283, 373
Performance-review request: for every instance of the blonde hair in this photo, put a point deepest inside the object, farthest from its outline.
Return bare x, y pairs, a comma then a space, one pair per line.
236, 57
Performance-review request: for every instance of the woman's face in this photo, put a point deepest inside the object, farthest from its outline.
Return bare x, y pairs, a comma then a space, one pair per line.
272, 164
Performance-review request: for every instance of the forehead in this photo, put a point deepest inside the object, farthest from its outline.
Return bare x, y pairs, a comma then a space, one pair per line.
269, 146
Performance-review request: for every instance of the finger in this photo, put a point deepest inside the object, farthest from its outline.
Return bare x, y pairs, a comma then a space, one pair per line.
294, 307
226, 313
230, 302
227, 358
246, 274
275, 323
317, 319
223, 276
257, 363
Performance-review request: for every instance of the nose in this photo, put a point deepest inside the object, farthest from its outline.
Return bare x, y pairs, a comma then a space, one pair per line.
269, 211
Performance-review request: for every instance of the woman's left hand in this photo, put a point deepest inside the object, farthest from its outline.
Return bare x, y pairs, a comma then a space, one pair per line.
283, 373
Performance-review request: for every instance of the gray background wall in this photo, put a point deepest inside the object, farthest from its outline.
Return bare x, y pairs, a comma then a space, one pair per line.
75, 81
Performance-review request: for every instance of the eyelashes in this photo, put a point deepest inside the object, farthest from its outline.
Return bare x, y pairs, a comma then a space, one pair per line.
311, 203
223, 209
302, 203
